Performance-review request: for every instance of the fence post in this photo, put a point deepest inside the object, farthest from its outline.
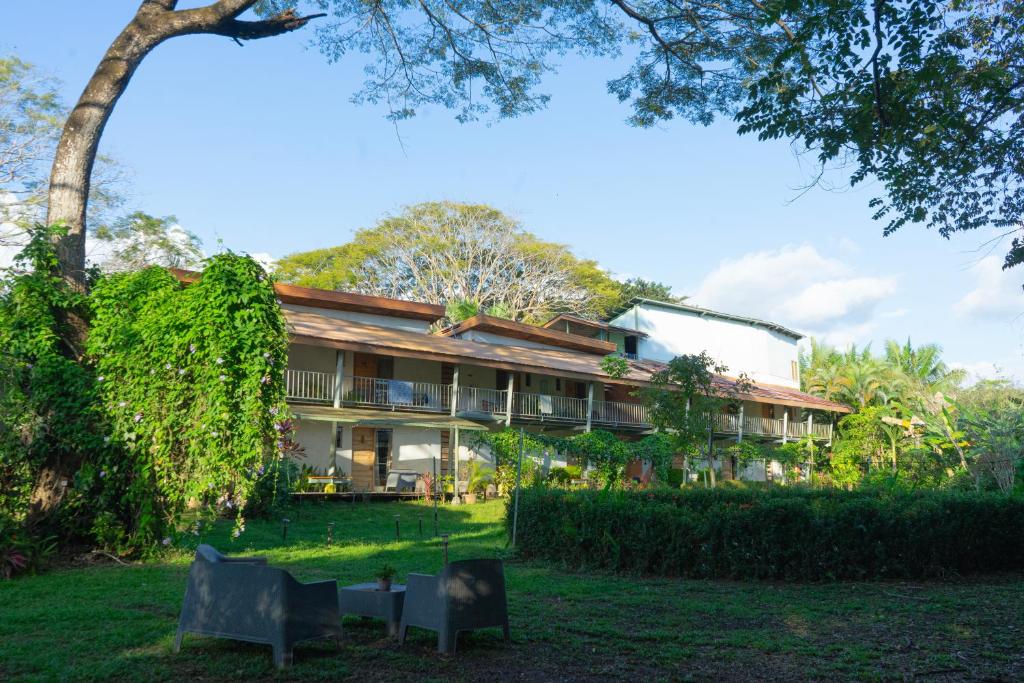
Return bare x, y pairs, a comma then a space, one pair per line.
519, 478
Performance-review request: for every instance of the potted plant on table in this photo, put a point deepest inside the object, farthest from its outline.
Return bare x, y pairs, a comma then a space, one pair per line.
384, 576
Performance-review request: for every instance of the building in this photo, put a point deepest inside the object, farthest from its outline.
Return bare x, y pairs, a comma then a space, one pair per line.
377, 385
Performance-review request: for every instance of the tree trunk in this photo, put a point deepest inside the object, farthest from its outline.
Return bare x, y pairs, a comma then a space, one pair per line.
154, 22
76, 151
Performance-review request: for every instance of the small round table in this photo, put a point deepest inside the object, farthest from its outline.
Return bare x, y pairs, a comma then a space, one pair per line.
363, 599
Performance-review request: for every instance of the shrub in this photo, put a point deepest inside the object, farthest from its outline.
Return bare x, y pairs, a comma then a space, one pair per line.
789, 533
563, 476
21, 552
675, 478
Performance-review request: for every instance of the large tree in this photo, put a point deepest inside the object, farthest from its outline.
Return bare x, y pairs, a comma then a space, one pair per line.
468, 256
924, 96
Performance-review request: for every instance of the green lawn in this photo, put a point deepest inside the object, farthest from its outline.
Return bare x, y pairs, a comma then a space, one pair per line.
113, 622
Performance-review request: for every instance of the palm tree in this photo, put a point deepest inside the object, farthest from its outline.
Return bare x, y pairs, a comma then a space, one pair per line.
923, 366
827, 381
866, 381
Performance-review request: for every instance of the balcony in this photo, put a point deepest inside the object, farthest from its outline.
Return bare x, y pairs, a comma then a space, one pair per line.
770, 427
305, 386
391, 394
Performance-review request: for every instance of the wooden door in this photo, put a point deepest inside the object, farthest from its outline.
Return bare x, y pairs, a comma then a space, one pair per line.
768, 411
364, 441
364, 365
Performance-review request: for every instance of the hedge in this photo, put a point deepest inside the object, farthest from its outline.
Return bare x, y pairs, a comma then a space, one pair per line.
787, 533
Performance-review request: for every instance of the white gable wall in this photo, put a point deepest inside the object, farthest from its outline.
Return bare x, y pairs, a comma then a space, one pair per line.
763, 354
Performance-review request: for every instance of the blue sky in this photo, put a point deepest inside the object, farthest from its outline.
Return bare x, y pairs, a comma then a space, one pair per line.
259, 148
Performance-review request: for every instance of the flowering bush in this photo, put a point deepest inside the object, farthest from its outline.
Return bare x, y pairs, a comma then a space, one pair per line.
193, 384
176, 402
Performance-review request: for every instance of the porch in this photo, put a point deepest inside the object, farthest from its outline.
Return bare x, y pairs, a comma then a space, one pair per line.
305, 386
323, 388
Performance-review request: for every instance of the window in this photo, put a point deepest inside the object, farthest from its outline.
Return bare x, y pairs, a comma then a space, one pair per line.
338, 430
529, 379
630, 346
383, 455
558, 384
794, 369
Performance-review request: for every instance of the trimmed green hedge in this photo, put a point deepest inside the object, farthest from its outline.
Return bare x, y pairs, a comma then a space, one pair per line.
786, 533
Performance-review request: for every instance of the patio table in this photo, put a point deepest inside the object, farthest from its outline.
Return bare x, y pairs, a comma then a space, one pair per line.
363, 599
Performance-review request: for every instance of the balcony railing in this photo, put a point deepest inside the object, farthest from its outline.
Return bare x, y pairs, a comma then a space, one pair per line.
770, 427
318, 387
396, 393
546, 407
477, 400
305, 385
618, 413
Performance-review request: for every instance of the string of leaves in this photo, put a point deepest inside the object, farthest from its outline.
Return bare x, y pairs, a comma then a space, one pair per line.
191, 379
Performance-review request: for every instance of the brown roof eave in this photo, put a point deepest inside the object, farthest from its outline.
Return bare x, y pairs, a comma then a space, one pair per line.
342, 301
455, 358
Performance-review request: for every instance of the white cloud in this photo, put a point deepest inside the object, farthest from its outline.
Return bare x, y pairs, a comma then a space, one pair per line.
268, 262
831, 300
848, 246
801, 287
997, 293
989, 370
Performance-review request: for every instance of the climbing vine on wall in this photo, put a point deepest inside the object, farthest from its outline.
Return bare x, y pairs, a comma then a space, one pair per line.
191, 378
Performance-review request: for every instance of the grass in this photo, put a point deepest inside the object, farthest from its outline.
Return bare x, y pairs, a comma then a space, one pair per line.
112, 622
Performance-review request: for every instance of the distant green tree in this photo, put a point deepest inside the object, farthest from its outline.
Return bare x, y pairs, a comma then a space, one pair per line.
140, 240
463, 254
684, 396
639, 288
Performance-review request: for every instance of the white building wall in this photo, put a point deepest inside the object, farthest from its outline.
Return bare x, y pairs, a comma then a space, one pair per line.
317, 438
313, 358
764, 355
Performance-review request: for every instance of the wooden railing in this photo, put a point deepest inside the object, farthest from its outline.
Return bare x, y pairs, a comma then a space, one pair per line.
769, 426
618, 413
318, 387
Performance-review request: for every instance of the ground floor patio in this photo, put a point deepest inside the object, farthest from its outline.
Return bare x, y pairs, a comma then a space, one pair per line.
113, 622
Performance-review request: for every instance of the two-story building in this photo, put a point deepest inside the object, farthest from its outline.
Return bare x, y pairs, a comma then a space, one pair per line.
378, 385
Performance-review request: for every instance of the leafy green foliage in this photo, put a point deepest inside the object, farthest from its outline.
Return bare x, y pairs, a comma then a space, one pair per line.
139, 240
469, 257
191, 378
922, 96
683, 396
600, 450
780, 533
175, 407
48, 400
615, 366
637, 287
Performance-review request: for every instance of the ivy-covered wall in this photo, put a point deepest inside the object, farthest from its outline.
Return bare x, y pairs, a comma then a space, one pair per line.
174, 409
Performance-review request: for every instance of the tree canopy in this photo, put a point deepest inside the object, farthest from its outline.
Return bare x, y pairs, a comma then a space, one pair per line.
923, 96
469, 257
32, 114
